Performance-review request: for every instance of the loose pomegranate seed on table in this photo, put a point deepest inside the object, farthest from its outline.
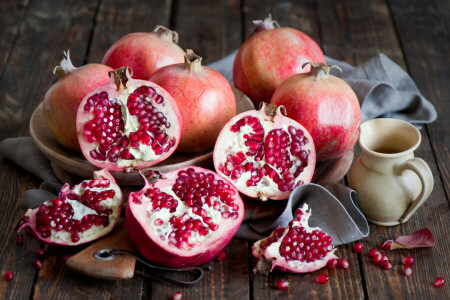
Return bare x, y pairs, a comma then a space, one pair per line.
332, 264
282, 284
386, 245
376, 259
386, 264
37, 264
40, 253
373, 252
322, 278
343, 263
222, 256
177, 296
407, 270
408, 260
9, 276
358, 247
19, 239
439, 282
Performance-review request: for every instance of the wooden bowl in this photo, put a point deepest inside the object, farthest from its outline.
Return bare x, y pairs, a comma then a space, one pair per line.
63, 160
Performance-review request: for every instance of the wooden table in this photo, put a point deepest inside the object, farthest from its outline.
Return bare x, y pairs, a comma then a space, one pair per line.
415, 34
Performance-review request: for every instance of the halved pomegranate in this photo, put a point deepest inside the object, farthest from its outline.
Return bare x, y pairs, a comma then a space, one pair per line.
128, 123
185, 218
265, 154
297, 248
79, 215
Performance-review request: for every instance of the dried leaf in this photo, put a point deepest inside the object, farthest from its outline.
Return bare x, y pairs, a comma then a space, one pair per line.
420, 238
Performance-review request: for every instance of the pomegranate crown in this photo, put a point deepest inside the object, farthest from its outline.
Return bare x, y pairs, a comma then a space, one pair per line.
166, 33
65, 66
266, 24
320, 70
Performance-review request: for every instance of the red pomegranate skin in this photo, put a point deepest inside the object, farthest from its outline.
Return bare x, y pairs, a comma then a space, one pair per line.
269, 57
328, 108
205, 100
61, 101
144, 53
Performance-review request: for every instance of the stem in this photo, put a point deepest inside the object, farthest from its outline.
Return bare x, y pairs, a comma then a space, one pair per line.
166, 34
192, 61
65, 66
320, 70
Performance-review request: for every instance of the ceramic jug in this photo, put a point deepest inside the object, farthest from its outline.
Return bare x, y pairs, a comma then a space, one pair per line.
391, 184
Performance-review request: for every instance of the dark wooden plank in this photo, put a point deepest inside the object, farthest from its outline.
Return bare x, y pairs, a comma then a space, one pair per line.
212, 30
426, 46
356, 31
118, 18
12, 15
13, 257
344, 284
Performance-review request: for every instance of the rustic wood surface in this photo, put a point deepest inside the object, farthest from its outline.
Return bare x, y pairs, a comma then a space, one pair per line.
415, 34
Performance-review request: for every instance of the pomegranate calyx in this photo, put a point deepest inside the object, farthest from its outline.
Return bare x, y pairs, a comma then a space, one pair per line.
319, 69
121, 76
166, 33
152, 176
266, 24
65, 66
264, 266
192, 62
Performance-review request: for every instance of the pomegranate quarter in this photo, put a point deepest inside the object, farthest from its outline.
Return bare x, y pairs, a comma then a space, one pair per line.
79, 215
128, 123
265, 154
297, 248
184, 218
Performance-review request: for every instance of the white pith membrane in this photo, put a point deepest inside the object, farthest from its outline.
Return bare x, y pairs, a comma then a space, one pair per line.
77, 210
271, 253
159, 223
131, 141
232, 144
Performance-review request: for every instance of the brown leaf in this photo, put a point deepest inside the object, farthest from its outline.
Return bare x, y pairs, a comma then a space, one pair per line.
420, 238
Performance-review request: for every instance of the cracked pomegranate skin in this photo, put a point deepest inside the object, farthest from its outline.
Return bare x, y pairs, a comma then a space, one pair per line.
205, 100
328, 108
63, 98
269, 57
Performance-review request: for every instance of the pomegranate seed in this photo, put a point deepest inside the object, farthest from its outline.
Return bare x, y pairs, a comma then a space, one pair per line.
408, 260
386, 264
332, 263
9, 275
386, 245
343, 263
440, 281
222, 256
373, 252
376, 259
282, 284
37, 264
322, 278
407, 270
177, 296
358, 247
40, 253
19, 239
384, 257
66, 256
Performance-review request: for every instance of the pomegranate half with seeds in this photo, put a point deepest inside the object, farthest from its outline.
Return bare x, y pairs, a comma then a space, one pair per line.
265, 154
145, 52
128, 123
297, 248
79, 215
185, 218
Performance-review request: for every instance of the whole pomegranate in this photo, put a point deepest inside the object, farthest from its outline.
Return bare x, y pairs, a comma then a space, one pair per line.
145, 52
297, 248
128, 123
79, 215
63, 98
185, 218
204, 97
326, 105
269, 57
265, 154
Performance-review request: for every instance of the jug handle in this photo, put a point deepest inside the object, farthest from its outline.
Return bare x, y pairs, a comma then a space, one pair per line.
421, 168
